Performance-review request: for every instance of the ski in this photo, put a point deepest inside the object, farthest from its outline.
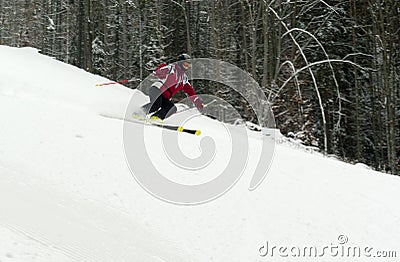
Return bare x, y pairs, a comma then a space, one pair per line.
177, 128
181, 129
142, 120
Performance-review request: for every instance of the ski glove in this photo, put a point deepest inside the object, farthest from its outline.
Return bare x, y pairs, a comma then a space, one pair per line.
199, 104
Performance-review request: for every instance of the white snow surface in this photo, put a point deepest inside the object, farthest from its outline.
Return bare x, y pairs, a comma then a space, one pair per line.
67, 193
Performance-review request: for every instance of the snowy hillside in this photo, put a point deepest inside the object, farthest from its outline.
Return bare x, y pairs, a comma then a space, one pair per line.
67, 192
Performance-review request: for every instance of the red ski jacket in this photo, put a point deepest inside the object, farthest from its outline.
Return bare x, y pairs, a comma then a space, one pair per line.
173, 79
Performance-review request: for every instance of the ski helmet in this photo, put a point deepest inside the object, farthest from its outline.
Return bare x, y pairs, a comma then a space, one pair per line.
183, 58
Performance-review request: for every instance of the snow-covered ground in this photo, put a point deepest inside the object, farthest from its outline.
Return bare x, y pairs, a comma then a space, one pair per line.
67, 193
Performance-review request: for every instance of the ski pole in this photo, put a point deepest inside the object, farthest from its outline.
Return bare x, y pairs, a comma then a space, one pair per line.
210, 103
191, 108
116, 82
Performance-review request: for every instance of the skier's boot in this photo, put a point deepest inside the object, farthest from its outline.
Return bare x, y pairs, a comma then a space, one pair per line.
139, 117
155, 119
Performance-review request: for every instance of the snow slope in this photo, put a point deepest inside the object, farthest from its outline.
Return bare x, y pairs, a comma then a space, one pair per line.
67, 194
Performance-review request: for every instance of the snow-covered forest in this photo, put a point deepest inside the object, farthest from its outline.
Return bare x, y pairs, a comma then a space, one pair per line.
331, 68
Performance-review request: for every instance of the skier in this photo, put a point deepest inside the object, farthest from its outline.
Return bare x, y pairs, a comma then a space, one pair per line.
171, 79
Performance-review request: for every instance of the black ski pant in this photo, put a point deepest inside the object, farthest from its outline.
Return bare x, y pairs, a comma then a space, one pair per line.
162, 106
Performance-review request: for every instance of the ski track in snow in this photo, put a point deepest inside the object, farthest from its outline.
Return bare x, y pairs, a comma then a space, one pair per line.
89, 232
